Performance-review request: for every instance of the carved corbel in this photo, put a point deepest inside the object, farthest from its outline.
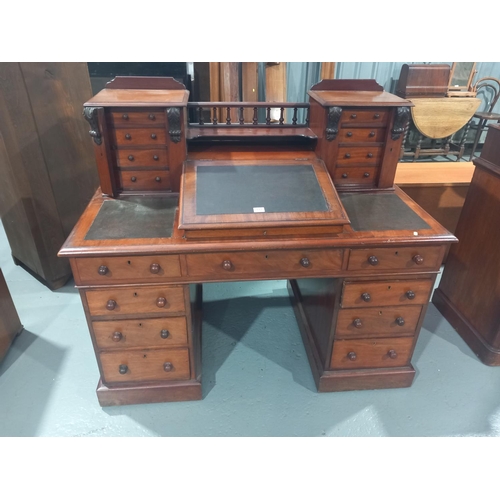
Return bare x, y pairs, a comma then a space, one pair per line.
174, 124
400, 121
90, 115
332, 124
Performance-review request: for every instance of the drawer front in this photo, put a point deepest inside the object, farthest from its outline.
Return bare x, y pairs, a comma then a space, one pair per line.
355, 175
353, 156
110, 270
386, 293
136, 300
403, 258
133, 158
362, 134
356, 116
371, 353
127, 118
156, 332
139, 136
374, 321
145, 180
264, 264
145, 365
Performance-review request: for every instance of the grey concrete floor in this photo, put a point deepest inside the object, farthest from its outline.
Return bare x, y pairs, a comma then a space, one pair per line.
256, 376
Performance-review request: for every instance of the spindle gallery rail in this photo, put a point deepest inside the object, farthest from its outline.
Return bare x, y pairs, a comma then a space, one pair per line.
221, 111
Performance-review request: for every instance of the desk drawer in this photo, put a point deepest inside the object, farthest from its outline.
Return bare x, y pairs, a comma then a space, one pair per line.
145, 180
141, 268
136, 300
356, 116
359, 156
156, 332
139, 136
127, 117
399, 258
145, 364
289, 263
377, 321
134, 158
375, 134
385, 293
355, 175
372, 353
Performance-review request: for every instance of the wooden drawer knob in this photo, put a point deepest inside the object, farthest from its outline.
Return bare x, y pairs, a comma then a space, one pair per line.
353, 116
161, 301
344, 176
153, 136
164, 334
133, 178
304, 262
418, 259
125, 116
111, 304
371, 134
103, 270
168, 367
131, 157
366, 297
158, 179
152, 116
372, 260
370, 155
227, 265
155, 157
128, 136
410, 294
392, 354
376, 116
123, 369
352, 356
366, 174
349, 134
117, 336
400, 321
154, 268
347, 155
357, 323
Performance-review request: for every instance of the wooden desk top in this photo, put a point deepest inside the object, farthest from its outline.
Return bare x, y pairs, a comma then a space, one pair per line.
360, 98
434, 174
139, 98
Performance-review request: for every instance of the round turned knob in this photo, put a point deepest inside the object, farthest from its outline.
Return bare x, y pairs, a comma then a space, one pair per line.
125, 116
111, 304
357, 323
349, 134
353, 116
123, 369
157, 179
227, 265
128, 136
344, 176
161, 301
164, 334
153, 136
410, 294
130, 157
155, 157
400, 321
152, 116
370, 155
371, 134
347, 155
103, 270
366, 174
117, 336
392, 354
376, 116
418, 259
372, 260
366, 297
352, 356
154, 268
304, 262
168, 367
133, 178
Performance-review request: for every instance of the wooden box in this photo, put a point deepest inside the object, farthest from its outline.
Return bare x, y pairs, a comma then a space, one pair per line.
423, 80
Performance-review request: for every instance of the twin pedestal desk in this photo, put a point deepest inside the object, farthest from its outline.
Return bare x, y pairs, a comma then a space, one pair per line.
193, 193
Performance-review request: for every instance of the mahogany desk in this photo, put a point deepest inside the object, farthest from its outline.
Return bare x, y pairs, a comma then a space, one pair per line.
360, 275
